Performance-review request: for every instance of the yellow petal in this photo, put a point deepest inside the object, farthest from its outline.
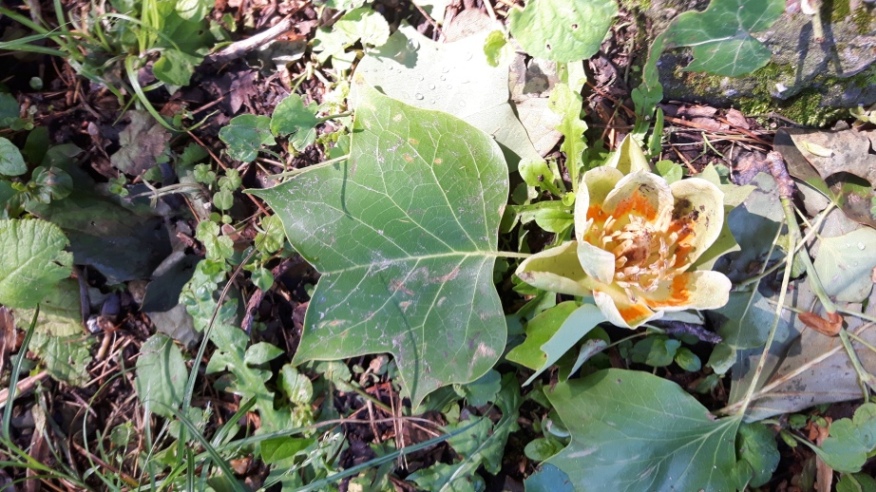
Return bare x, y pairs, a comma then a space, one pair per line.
596, 184
556, 270
622, 311
641, 194
596, 262
705, 289
697, 218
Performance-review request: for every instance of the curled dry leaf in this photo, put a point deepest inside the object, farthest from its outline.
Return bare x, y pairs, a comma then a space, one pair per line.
830, 326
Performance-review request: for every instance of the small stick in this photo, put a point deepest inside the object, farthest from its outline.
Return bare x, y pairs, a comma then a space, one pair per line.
244, 46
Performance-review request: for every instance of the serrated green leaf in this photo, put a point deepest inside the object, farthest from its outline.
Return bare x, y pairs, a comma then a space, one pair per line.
11, 160
562, 30
720, 36
33, 261
292, 116
758, 452
405, 269
66, 358
482, 444
245, 134
60, 311
175, 67
161, 375
635, 431
568, 103
483, 390
261, 353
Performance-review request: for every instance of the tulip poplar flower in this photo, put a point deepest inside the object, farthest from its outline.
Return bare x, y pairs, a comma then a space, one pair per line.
636, 238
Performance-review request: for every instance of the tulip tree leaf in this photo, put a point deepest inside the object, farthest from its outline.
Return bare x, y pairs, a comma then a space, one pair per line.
404, 234
720, 36
663, 439
562, 30
844, 264
453, 77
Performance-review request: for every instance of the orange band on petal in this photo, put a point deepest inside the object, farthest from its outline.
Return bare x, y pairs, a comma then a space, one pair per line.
637, 202
633, 313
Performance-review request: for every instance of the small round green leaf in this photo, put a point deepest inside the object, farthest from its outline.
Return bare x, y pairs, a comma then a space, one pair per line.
562, 30
11, 160
245, 134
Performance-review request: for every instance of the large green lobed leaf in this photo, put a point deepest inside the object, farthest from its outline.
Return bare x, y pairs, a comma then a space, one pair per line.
404, 234
720, 37
634, 431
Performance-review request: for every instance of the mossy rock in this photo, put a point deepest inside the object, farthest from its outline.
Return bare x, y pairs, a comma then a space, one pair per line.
809, 81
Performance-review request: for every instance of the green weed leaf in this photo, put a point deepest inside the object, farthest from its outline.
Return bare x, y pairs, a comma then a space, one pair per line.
552, 333
851, 440
720, 37
33, 261
291, 116
404, 234
9, 110
11, 160
175, 67
245, 134
161, 375
562, 30
757, 452
662, 439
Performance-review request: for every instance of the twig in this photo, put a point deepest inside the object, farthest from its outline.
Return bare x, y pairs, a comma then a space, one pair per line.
244, 46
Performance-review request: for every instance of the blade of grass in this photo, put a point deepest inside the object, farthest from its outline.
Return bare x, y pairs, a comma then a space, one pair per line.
13, 378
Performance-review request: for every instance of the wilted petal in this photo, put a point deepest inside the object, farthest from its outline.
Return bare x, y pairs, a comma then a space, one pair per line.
642, 195
697, 218
556, 270
704, 289
596, 262
596, 184
622, 311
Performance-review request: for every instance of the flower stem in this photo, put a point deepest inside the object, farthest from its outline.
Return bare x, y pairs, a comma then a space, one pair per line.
508, 254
